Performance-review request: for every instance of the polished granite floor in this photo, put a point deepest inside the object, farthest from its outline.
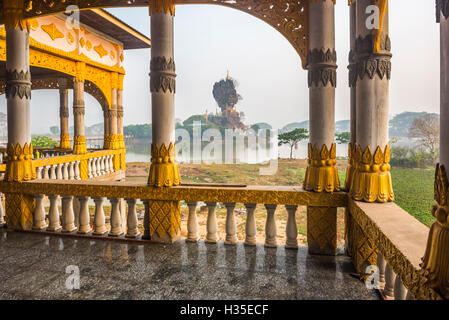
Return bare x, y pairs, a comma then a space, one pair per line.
34, 266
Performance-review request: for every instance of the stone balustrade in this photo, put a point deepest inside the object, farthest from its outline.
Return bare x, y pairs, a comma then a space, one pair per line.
383, 238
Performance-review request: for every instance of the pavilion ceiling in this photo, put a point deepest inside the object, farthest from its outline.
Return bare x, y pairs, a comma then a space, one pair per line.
289, 17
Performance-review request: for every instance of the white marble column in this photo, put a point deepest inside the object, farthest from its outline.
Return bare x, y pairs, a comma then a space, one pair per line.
372, 179
321, 174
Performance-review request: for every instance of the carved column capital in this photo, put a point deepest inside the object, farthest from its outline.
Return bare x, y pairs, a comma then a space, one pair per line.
163, 76
442, 7
18, 84
78, 108
322, 66
367, 62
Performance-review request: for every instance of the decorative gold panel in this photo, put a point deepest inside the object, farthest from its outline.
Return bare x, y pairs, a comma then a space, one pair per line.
289, 17
19, 211
52, 31
321, 173
164, 218
322, 230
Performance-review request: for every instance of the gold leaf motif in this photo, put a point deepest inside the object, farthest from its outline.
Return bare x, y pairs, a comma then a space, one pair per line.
52, 31
321, 173
82, 42
100, 50
70, 38
88, 45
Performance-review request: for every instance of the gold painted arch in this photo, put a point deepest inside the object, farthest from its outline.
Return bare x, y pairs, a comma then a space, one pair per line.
289, 17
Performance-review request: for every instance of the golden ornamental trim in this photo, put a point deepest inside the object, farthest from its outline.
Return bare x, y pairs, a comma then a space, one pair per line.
80, 75
435, 266
321, 173
100, 50
164, 218
162, 6
79, 145
350, 170
65, 142
377, 33
52, 31
164, 171
12, 15
372, 178
20, 165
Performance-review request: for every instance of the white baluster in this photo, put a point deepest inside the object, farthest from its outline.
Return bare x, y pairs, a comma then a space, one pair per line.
84, 216
94, 168
132, 221
270, 227
99, 219
39, 173
53, 215
292, 228
46, 169
231, 229
390, 278
400, 292
381, 264
103, 171
116, 218
39, 213
59, 175
72, 171
98, 166
2, 212
211, 223
65, 171
53, 172
89, 168
77, 170
192, 223
68, 215
250, 228
111, 163
106, 165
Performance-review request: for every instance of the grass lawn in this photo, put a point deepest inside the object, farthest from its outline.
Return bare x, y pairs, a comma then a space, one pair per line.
413, 190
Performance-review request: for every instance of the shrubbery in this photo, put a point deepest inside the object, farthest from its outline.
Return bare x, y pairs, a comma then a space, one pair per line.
408, 157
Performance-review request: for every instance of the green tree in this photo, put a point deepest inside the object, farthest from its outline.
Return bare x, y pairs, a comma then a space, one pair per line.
343, 138
292, 138
43, 142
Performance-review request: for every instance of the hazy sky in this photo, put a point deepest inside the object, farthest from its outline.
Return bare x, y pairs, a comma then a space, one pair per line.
209, 40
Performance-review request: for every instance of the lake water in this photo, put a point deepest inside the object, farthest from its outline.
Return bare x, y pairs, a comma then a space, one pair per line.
140, 151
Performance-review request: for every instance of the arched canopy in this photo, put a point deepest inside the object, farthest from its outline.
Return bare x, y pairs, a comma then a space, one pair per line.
289, 17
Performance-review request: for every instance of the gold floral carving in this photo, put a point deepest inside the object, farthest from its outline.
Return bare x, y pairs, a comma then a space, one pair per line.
20, 166
65, 142
88, 45
52, 31
80, 75
164, 218
12, 15
321, 173
100, 50
162, 6
164, 171
82, 42
372, 179
107, 142
412, 278
79, 145
435, 266
322, 230
19, 210
360, 247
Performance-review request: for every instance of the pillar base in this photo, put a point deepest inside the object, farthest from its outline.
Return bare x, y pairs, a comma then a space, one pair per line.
164, 171
164, 221
351, 168
371, 180
322, 230
65, 142
19, 211
20, 166
107, 142
321, 173
79, 145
